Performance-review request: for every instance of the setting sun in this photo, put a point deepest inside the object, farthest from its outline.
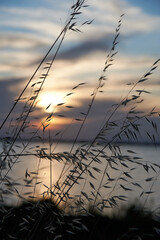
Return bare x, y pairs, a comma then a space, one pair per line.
49, 101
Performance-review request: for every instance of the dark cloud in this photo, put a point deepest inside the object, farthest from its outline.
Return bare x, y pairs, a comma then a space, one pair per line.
151, 82
100, 113
6, 96
87, 47
92, 45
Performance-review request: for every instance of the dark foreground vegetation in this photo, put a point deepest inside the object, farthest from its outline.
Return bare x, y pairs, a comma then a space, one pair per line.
42, 220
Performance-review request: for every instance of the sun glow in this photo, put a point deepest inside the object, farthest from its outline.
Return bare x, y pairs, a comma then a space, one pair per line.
49, 100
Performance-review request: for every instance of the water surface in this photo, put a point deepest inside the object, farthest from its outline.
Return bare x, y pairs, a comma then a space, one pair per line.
48, 172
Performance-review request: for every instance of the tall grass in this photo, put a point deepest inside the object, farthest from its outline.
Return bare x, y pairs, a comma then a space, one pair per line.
99, 169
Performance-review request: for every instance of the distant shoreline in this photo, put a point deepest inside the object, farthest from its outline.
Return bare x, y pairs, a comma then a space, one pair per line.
88, 141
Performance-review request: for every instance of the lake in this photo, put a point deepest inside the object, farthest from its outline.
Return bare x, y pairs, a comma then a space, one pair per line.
136, 181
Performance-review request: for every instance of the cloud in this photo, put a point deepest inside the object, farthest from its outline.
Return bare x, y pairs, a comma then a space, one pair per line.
44, 28
47, 25
21, 41
135, 20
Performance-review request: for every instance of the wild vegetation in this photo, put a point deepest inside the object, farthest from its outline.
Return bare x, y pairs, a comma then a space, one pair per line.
99, 169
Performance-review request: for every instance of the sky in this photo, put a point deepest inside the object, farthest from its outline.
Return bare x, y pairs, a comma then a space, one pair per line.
28, 29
